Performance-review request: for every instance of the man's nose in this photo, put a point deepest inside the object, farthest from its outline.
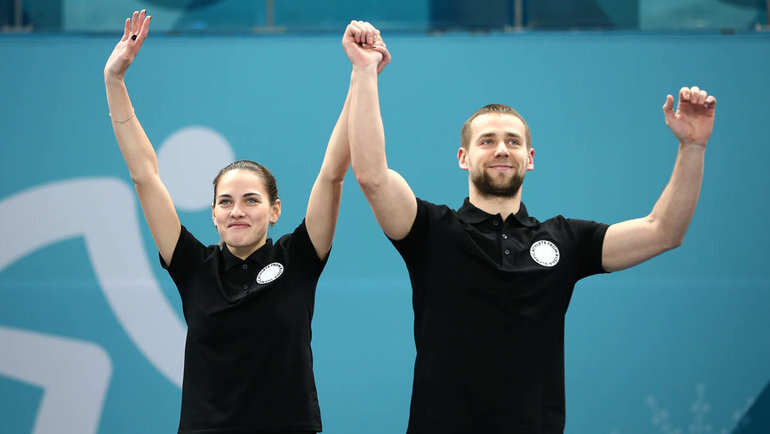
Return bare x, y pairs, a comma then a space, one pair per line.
501, 150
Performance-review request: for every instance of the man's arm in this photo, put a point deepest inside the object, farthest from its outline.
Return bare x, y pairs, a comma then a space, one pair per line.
323, 206
392, 201
634, 241
134, 145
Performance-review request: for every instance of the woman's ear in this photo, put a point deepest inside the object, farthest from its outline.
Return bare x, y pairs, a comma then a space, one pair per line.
275, 211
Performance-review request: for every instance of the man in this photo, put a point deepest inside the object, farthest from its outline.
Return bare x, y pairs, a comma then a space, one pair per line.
492, 284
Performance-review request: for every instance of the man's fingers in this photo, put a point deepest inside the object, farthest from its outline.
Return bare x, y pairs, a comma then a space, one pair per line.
366, 29
668, 107
355, 31
711, 102
669, 104
370, 33
697, 97
694, 94
365, 35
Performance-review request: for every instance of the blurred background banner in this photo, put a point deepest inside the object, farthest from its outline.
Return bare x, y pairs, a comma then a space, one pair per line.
235, 16
91, 332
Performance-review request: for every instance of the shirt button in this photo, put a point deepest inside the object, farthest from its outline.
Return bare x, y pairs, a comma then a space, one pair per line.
245, 287
505, 237
495, 222
245, 266
507, 252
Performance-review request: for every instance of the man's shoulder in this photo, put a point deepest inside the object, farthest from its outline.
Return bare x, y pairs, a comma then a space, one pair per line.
573, 226
555, 220
433, 208
561, 220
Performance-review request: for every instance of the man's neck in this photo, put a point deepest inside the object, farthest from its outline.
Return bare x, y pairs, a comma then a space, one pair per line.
504, 206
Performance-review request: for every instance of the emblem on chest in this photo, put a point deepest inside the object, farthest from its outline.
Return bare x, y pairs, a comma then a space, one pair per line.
270, 273
544, 253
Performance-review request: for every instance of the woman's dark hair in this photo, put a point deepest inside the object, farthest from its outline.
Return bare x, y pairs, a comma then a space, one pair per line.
267, 177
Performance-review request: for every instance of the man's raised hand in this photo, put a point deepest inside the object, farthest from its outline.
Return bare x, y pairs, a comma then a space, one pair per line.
693, 121
364, 46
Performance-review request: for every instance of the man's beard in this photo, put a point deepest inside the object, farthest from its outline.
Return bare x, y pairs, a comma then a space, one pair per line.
488, 186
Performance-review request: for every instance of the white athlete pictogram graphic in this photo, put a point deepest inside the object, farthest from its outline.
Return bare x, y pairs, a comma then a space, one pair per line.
74, 374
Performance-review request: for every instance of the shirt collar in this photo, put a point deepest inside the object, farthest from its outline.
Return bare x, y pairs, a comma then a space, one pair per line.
470, 214
229, 260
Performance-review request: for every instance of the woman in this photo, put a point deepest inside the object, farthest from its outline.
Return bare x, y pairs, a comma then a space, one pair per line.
248, 303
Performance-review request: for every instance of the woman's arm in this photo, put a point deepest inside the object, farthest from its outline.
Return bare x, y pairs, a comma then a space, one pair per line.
324, 204
134, 145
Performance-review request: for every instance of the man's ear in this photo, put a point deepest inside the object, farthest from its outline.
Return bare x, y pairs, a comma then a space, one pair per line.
531, 159
462, 158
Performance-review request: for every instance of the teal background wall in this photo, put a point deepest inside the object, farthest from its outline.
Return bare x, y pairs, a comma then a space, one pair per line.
679, 342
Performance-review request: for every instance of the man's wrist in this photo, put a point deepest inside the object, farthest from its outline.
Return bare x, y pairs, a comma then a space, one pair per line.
370, 68
111, 79
693, 147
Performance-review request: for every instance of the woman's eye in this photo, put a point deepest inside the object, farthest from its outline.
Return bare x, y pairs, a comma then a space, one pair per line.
224, 202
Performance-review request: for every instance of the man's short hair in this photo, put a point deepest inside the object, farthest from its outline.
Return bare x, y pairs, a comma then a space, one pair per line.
465, 133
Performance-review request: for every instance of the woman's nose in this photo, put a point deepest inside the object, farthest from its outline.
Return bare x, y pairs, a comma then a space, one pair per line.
237, 211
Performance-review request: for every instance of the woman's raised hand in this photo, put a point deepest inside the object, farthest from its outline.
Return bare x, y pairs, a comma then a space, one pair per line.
125, 51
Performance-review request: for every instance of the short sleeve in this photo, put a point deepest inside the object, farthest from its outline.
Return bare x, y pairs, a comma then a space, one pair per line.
186, 251
411, 246
589, 236
299, 245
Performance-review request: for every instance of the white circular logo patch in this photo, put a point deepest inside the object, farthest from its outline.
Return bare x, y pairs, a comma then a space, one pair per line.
269, 273
544, 253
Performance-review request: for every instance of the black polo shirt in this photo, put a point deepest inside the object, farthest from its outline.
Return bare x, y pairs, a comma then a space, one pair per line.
248, 365
489, 298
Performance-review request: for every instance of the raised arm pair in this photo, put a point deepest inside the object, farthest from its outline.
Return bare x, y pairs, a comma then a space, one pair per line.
157, 204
